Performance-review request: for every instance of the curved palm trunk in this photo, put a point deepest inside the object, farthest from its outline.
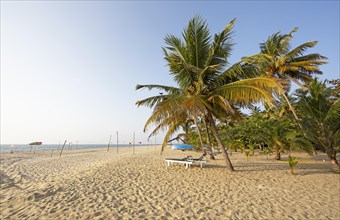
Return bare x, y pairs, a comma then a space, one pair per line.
331, 153
208, 138
219, 142
304, 88
328, 146
199, 132
291, 108
277, 154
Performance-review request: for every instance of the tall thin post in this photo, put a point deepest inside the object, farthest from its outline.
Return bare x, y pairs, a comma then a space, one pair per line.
133, 147
117, 142
62, 148
108, 146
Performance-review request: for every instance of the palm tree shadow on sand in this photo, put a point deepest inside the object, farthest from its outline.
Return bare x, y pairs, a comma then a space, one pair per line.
303, 168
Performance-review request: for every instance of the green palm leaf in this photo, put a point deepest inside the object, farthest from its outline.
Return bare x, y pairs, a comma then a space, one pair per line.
333, 116
250, 91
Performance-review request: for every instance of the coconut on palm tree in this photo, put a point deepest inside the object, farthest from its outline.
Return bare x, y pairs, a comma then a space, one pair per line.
207, 84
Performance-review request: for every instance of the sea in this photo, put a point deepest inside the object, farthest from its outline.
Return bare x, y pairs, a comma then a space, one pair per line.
6, 148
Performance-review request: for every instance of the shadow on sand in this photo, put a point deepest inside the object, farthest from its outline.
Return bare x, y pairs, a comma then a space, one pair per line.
302, 168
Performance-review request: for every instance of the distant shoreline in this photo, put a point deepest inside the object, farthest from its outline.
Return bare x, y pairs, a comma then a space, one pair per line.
7, 148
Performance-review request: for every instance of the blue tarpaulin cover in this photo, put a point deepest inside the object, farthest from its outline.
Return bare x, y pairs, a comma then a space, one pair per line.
182, 147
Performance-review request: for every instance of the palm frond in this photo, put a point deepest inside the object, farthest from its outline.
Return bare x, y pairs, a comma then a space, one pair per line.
166, 112
231, 74
149, 102
299, 50
276, 44
178, 61
195, 104
259, 64
252, 90
317, 58
221, 46
333, 116
172, 129
169, 89
218, 102
197, 38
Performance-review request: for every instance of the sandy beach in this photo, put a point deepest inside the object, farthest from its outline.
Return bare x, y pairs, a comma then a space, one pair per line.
96, 184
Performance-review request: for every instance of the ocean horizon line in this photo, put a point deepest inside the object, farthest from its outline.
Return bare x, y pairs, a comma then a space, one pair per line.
45, 147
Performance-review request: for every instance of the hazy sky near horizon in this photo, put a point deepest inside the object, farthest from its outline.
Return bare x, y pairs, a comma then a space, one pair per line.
69, 68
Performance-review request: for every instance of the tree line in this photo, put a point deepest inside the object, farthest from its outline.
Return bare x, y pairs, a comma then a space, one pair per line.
206, 104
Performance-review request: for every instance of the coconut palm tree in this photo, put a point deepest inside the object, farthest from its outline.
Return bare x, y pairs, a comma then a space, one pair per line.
283, 135
206, 82
320, 115
277, 59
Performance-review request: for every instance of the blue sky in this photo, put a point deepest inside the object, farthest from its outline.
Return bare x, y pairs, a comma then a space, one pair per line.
69, 68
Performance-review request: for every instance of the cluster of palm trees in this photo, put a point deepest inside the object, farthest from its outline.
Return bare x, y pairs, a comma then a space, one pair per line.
210, 90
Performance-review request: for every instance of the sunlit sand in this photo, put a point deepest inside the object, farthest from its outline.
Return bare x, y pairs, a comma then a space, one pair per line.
96, 184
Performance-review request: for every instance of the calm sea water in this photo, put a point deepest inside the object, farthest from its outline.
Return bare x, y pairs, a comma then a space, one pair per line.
45, 147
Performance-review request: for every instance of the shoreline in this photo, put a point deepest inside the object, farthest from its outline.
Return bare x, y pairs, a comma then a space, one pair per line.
96, 184
20, 148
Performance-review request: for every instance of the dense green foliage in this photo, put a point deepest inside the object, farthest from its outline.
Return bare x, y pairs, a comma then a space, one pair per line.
319, 109
204, 108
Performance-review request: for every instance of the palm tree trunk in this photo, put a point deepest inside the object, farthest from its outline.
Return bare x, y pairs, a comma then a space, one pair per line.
304, 88
208, 138
291, 107
331, 153
219, 142
277, 148
199, 132
277, 154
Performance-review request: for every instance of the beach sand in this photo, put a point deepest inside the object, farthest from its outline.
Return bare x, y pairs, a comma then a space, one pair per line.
96, 184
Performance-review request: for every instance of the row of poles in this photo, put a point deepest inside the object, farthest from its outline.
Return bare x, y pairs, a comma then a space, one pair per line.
108, 146
133, 143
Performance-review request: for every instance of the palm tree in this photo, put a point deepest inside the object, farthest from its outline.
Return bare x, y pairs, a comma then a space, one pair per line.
320, 115
282, 134
205, 86
276, 59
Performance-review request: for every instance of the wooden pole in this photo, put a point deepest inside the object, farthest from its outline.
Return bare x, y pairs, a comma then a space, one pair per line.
133, 147
117, 142
155, 142
108, 146
62, 148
